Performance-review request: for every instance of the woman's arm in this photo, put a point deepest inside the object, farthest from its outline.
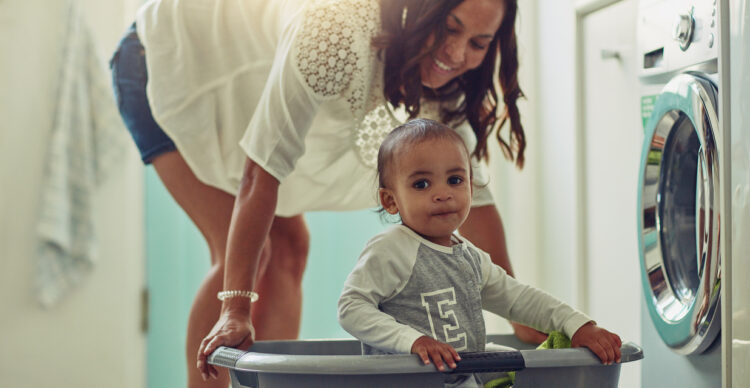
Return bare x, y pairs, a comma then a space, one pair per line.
254, 210
484, 228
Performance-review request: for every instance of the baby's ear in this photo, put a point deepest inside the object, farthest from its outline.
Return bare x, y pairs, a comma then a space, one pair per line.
387, 200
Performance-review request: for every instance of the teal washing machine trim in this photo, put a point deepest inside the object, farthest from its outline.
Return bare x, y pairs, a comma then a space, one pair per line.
680, 330
673, 333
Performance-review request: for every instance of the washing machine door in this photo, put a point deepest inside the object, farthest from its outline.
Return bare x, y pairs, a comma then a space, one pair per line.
678, 218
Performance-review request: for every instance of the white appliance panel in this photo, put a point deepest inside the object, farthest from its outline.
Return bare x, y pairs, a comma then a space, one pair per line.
739, 23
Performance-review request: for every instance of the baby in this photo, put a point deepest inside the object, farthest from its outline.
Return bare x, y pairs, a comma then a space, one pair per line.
419, 288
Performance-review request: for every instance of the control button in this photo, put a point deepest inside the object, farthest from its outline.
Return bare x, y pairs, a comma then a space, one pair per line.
710, 40
683, 30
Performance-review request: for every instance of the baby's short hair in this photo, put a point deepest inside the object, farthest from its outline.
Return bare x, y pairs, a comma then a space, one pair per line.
410, 133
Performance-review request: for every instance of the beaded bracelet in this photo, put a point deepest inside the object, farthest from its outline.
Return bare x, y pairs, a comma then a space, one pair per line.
222, 295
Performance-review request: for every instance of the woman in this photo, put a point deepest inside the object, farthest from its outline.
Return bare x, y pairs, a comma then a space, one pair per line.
268, 109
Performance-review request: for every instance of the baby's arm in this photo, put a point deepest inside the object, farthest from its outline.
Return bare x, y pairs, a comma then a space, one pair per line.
604, 344
378, 276
382, 271
509, 298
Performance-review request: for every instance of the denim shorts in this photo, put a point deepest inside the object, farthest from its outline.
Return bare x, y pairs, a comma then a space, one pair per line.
129, 78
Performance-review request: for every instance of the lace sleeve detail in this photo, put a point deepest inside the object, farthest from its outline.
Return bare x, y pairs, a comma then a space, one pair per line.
332, 50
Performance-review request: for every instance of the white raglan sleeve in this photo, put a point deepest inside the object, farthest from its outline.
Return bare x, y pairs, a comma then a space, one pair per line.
509, 298
382, 271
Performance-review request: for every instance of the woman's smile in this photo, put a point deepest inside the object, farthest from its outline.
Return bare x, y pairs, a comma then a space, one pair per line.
442, 67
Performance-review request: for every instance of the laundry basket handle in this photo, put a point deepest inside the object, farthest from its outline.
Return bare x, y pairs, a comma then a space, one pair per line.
479, 362
226, 357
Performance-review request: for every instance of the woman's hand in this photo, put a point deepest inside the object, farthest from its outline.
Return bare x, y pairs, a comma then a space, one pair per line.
604, 344
254, 209
428, 348
528, 334
232, 330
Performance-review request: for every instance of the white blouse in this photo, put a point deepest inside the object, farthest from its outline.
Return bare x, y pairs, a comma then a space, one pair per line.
294, 85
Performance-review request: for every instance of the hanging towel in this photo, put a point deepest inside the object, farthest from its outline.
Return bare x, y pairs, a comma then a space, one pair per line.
86, 140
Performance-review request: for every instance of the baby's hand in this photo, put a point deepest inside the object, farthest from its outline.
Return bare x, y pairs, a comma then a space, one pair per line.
428, 348
604, 344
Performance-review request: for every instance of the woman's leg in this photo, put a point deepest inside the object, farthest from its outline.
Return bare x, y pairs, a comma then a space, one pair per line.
211, 210
277, 313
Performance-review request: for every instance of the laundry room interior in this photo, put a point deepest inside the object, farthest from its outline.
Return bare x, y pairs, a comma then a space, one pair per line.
631, 206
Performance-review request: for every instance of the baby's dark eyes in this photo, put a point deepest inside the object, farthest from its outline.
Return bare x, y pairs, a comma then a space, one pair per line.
421, 184
455, 180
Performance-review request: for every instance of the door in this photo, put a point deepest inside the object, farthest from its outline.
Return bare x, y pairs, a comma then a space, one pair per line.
610, 143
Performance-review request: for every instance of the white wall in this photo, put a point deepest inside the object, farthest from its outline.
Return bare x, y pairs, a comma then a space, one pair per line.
557, 145
93, 336
516, 191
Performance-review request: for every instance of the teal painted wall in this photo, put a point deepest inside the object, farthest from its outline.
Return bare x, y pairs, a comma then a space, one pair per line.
336, 240
177, 259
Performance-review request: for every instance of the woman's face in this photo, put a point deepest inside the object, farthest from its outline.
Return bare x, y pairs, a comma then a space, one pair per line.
470, 28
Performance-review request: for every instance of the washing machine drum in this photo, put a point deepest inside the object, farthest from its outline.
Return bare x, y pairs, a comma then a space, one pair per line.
678, 220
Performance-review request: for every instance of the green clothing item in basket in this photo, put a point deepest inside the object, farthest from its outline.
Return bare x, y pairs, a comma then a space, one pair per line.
555, 340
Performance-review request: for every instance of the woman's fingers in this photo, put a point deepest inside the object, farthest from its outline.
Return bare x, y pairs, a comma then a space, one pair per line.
203, 365
247, 342
202, 359
232, 331
207, 347
214, 343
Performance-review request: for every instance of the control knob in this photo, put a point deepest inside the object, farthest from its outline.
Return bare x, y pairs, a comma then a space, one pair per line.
683, 30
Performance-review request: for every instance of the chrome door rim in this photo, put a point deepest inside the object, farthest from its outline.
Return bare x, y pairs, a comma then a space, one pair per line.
687, 320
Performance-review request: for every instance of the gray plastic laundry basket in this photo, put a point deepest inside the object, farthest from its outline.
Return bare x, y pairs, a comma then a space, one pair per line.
339, 363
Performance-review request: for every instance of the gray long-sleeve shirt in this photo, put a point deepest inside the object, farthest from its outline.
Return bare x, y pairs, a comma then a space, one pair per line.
405, 286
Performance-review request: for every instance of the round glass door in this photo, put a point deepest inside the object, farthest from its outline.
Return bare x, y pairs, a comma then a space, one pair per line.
678, 218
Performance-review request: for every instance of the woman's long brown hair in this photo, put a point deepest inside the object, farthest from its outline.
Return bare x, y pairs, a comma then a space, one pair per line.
403, 44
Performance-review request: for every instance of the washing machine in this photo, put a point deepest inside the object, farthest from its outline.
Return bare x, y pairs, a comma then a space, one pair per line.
680, 191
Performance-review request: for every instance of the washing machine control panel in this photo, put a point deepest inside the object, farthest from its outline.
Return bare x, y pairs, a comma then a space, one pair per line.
683, 30
675, 35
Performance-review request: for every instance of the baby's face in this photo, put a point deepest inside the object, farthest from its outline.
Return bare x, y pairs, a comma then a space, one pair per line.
429, 186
